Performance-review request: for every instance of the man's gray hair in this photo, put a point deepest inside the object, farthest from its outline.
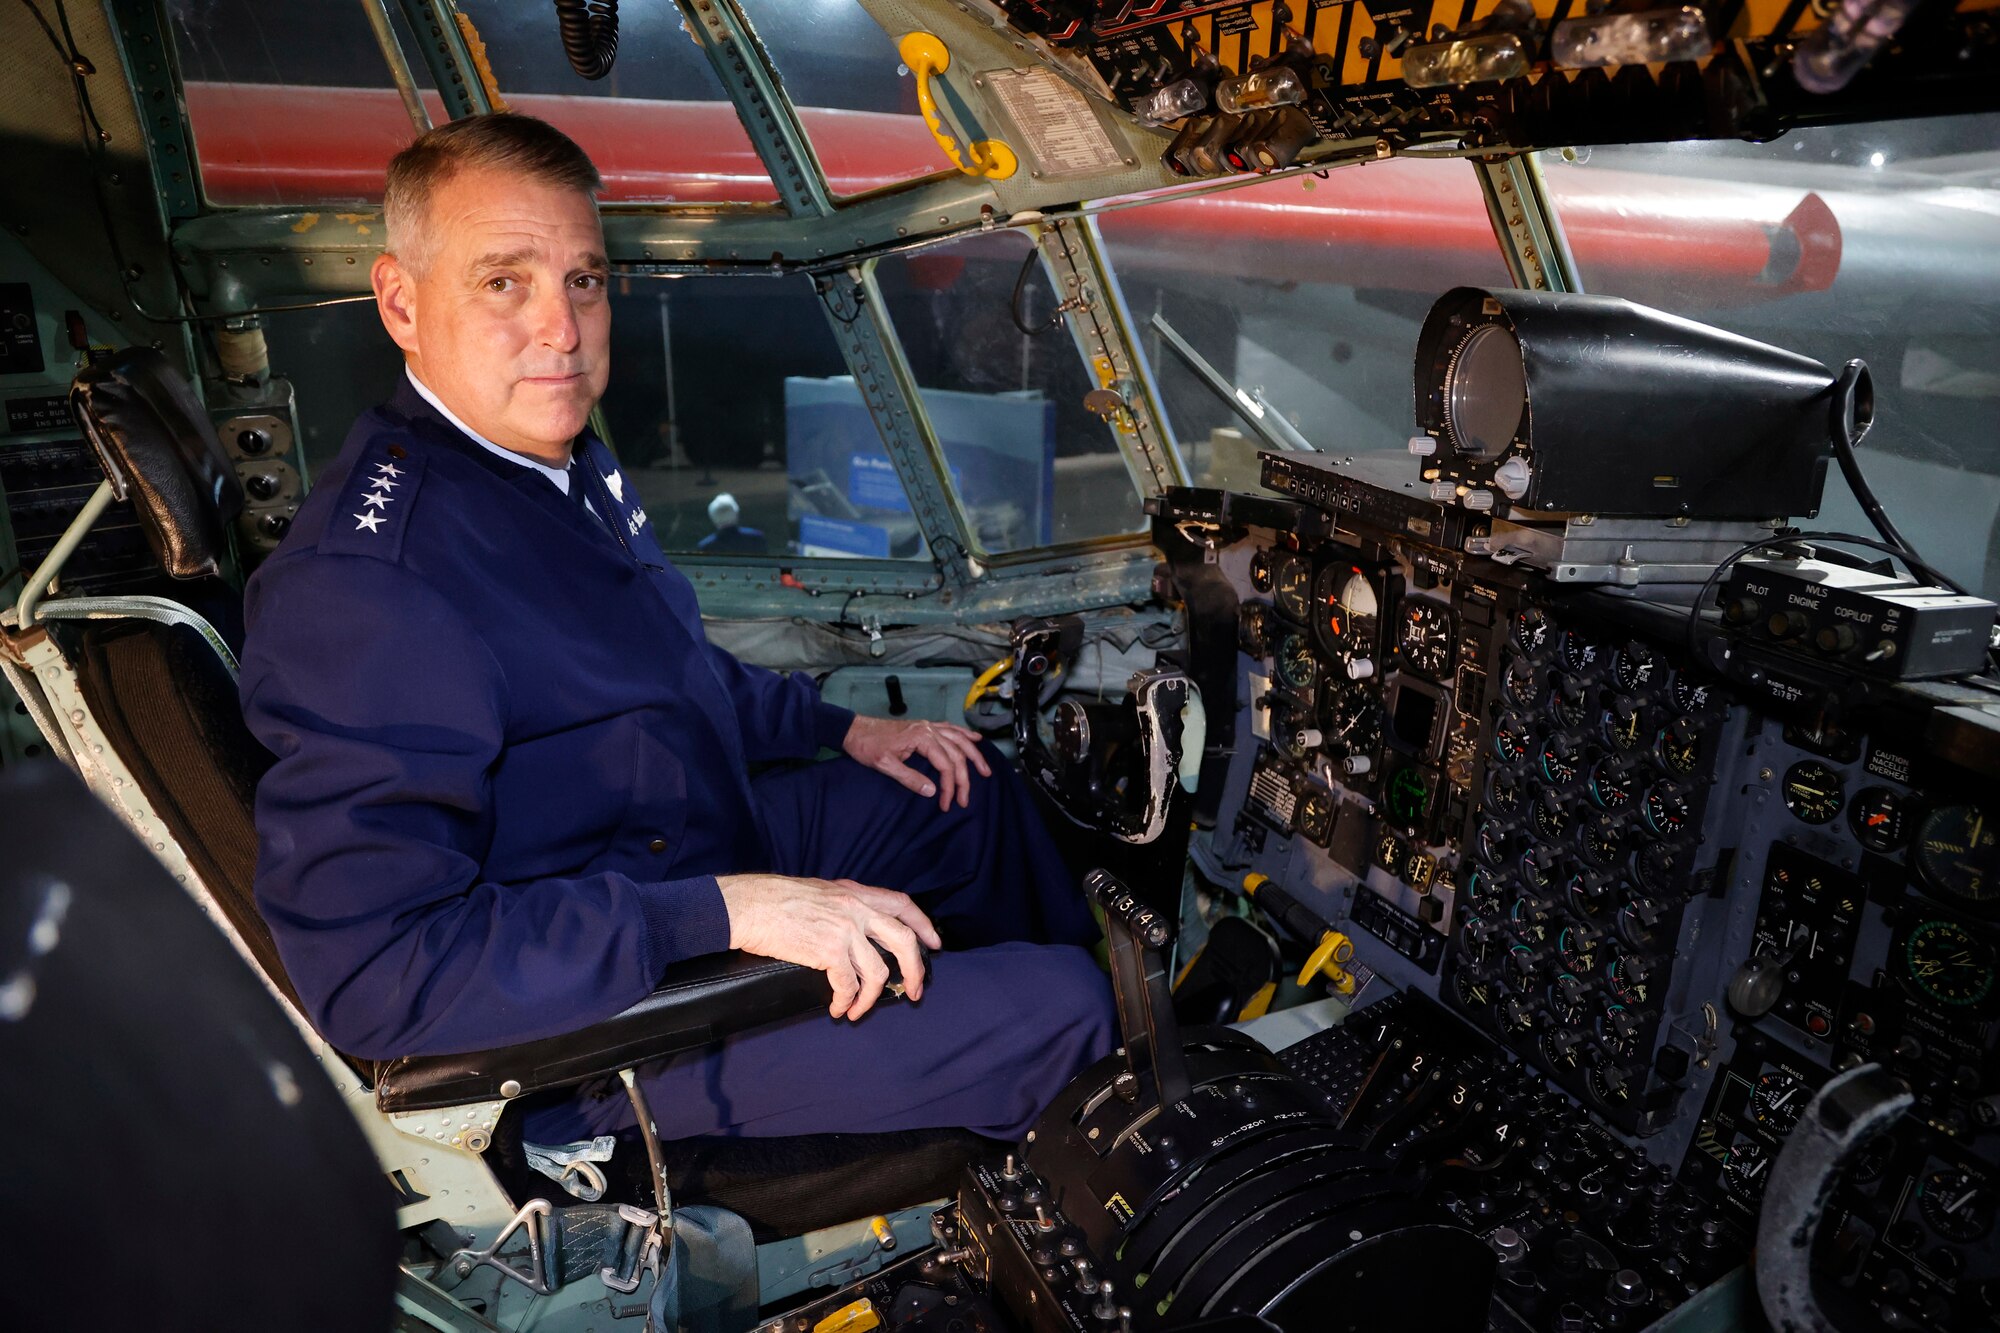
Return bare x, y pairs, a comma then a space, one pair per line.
528, 148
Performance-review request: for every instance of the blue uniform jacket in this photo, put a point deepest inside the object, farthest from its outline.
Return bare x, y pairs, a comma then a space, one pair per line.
509, 762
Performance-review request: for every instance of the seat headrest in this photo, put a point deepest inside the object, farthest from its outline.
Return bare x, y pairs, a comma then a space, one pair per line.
159, 450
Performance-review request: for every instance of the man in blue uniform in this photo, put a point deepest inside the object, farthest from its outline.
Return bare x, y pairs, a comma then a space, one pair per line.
513, 776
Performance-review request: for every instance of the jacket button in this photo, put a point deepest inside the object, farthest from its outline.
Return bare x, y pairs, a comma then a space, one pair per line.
657, 845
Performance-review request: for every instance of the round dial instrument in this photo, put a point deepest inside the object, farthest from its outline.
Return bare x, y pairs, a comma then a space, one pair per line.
1624, 723
1691, 695
1407, 796
1680, 747
1957, 854
1551, 818
1291, 587
1505, 794
1612, 785
1297, 667
1813, 792
1521, 683
1512, 738
1569, 701
1346, 612
1948, 964
1880, 819
1665, 809
1957, 1204
1316, 814
1424, 636
1260, 570
1777, 1099
1562, 760
1601, 841
1532, 629
1578, 651
1636, 667
1350, 718
1744, 1170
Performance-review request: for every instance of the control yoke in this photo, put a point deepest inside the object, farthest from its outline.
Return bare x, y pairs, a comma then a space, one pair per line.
1155, 1061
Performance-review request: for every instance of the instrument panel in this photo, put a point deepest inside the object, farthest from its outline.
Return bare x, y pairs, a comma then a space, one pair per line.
1603, 892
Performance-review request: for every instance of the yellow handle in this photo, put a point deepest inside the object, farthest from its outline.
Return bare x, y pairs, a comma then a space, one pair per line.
1334, 949
985, 681
926, 58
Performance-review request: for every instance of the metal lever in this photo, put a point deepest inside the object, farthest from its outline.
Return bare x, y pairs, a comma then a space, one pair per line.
1138, 938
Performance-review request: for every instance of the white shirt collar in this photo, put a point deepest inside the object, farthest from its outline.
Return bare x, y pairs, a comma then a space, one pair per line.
560, 476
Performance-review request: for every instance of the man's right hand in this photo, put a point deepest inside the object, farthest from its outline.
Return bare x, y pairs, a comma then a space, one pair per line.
832, 925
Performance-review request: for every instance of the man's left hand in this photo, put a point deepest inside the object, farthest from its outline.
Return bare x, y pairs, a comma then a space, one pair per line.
883, 744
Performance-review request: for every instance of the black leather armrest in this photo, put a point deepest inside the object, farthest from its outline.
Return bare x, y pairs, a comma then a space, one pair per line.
697, 1002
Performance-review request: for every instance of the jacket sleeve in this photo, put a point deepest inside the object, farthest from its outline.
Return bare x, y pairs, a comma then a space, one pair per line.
782, 716
386, 713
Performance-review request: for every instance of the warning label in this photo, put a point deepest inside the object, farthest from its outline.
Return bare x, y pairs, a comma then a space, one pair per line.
1062, 132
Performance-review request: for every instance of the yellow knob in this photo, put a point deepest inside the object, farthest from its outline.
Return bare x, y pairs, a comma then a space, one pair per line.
1253, 882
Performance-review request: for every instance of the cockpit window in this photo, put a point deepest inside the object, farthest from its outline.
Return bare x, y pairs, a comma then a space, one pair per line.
1031, 465
294, 104
1879, 241
857, 102
1303, 297
733, 411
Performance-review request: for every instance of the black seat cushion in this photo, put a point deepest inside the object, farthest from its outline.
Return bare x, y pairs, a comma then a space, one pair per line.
159, 449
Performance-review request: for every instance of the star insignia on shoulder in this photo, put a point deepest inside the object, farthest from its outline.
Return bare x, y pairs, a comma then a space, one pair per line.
368, 521
388, 470
383, 483
376, 499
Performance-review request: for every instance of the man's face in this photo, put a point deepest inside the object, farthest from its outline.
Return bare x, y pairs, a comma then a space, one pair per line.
510, 326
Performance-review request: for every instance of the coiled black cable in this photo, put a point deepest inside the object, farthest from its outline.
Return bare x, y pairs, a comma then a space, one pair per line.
589, 35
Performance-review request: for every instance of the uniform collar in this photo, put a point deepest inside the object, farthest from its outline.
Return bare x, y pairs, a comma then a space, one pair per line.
560, 476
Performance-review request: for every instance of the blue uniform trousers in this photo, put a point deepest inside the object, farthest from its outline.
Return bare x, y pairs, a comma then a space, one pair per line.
1013, 1008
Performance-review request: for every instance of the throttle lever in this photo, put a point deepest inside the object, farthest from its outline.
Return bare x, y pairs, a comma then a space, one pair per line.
1138, 937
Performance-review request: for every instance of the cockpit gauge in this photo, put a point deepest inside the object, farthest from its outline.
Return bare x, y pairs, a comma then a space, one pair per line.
1512, 738
1424, 636
1541, 867
1389, 854
1657, 867
1948, 964
1691, 695
1813, 792
1624, 723
1777, 1099
1665, 809
1551, 818
1569, 701
1532, 630
1346, 612
1407, 797
1957, 854
1521, 682
1350, 720
1419, 870
1957, 1204
1612, 785
1315, 818
1505, 795
1253, 628
1291, 587
1880, 819
1297, 667
1680, 747
1745, 1168
1561, 760
1636, 666
1260, 570
1577, 651
1601, 841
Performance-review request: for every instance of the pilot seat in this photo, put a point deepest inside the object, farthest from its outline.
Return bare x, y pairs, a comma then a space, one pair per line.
138, 694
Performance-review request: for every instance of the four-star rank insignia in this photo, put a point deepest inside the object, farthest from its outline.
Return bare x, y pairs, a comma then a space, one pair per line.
374, 503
